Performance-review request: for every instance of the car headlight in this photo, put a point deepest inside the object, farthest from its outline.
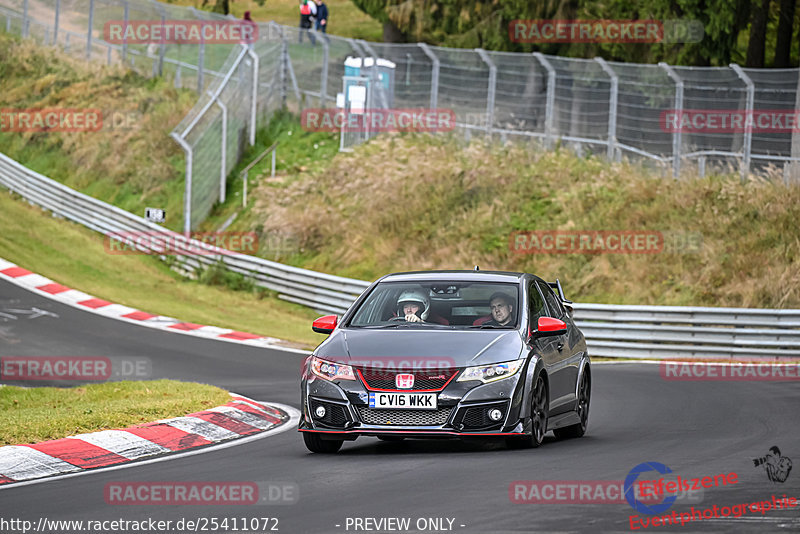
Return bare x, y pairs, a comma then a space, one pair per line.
330, 370
491, 373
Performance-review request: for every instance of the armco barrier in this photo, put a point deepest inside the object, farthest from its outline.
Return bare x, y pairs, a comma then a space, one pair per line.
323, 292
611, 330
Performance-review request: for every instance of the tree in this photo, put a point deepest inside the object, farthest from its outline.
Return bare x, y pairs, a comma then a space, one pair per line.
485, 24
220, 6
758, 35
783, 45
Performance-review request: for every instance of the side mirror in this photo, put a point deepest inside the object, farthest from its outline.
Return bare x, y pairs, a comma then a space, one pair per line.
325, 325
548, 326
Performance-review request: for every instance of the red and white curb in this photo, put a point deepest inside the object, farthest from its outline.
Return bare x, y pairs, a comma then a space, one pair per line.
239, 418
78, 299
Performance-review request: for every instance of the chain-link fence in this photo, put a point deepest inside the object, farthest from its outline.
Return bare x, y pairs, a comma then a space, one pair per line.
644, 112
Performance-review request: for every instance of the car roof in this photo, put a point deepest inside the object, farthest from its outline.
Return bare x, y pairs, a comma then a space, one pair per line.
455, 276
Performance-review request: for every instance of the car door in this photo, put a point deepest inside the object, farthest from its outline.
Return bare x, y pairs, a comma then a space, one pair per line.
546, 347
564, 371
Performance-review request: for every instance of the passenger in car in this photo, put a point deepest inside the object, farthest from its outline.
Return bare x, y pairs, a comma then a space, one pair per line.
502, 306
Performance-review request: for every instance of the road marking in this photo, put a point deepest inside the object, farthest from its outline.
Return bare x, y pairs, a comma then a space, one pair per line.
23, 463
244, 417
294, 419
195, 425
123, 443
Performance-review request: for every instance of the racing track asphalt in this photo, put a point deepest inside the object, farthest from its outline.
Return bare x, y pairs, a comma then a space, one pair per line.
696, 428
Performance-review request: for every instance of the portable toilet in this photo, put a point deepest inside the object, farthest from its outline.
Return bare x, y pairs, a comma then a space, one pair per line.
354, 66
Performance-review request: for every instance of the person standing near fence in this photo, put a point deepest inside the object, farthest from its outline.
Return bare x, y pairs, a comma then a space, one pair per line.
321, 20
307, 10
251, 30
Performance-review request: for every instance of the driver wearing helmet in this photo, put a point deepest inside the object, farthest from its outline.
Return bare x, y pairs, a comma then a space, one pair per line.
414, 305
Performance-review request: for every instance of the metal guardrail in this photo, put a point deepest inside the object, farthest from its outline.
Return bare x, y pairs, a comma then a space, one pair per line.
611, 330
323, 292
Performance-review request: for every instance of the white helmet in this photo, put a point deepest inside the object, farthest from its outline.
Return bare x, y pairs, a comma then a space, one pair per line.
416, 296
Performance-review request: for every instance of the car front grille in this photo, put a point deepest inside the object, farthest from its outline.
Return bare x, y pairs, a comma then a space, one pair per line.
424, 379
371, 416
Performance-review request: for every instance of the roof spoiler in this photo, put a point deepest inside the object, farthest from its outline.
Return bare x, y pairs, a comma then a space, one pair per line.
560, 291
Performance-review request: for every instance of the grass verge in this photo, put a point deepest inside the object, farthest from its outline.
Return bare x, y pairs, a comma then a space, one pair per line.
419, 202
31, 415
130, 161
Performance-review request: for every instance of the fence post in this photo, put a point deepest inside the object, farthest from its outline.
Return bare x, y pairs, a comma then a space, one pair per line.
89, 30
282, 63
201, 61
187, 194
748, 132
125, 17
676, 135
791, 173
491, 90
162, 49
244, 189
612, 107
253, 94
25, 21
224, 148
55, 23
434, 74
323, 77
549, 110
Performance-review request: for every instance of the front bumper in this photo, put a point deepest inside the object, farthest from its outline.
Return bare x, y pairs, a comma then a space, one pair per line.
462, 411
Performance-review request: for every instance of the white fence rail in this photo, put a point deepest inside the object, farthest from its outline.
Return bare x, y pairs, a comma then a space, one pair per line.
324, 292
590, 105
611, 330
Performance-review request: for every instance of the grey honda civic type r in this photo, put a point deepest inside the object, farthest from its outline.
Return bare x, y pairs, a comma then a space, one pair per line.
450, 354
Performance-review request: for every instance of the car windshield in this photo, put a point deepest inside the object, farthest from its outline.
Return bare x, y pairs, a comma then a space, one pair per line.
439, 304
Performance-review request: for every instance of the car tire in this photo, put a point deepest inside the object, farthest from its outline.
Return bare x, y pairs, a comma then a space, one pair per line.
391, 438
584, 396
539, 412
315, 443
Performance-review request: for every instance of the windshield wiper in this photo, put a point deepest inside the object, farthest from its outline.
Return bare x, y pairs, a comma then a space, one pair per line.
488, 326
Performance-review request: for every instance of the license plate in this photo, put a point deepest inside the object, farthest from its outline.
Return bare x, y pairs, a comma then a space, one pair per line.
403, 401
